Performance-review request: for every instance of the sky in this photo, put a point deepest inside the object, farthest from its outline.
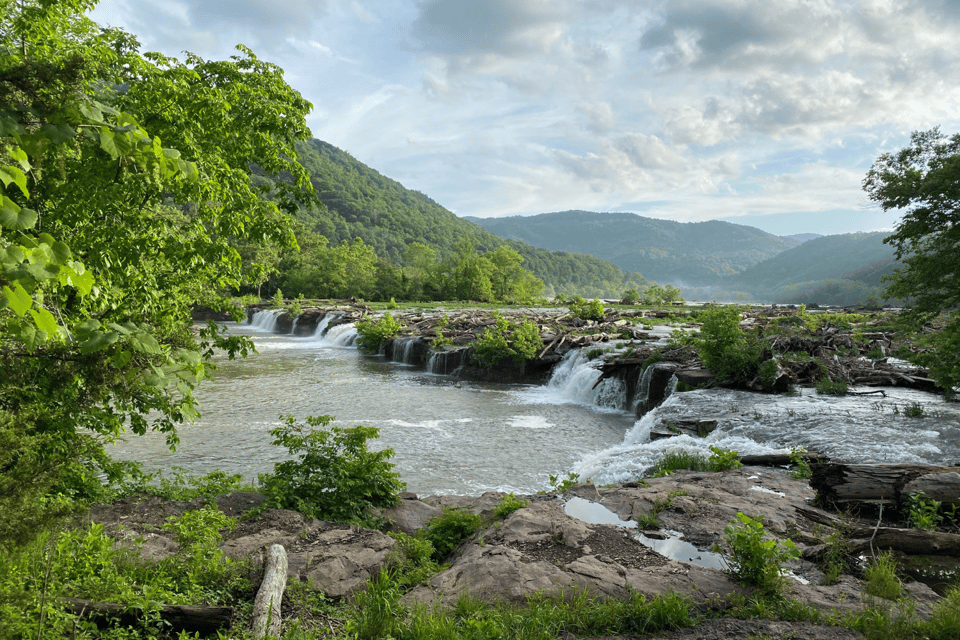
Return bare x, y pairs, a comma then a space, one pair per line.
767, 113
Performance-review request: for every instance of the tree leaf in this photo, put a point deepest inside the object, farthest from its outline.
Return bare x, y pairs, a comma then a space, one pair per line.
108, 143
18, 298
45, 321
12, 216
10, 174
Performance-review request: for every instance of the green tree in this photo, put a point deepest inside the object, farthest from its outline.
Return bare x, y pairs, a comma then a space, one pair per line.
730, 353
126, 179
923, 181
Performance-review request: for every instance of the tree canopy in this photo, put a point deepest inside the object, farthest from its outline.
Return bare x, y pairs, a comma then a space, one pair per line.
125, 185
923, 181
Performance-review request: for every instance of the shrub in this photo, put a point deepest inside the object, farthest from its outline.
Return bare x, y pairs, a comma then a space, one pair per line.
333, 475
915, 410
277, 301
923, 512
584, 310
768, 373
723, 459
295, 308
519, 342
827, 387
447, 531
730, 353
802, 467
372, 334
508, 505
755, 561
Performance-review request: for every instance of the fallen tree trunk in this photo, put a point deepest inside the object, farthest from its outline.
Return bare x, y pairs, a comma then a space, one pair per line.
780, 459
909, 541
884, 483
180, 617
266, 606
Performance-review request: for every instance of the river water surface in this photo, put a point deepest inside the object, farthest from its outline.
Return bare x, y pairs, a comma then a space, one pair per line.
460, 437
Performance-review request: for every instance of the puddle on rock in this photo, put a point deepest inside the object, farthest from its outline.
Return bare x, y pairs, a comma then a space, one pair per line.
672, 546
676, 549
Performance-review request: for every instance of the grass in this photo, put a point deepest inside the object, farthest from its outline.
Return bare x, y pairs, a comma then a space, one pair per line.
881, 579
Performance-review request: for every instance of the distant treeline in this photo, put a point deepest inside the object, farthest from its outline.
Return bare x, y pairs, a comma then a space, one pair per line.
368, 236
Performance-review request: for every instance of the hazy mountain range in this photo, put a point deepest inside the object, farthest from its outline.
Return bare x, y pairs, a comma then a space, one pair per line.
599, 253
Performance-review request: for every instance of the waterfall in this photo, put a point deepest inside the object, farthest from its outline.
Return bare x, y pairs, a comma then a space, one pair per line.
642, 394
324, 324
576, 380
265, 320
403, 350
656, 384
447, 362
342, 335
293, 329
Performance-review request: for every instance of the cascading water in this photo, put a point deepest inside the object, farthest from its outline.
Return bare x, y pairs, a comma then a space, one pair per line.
265, 320
324, 324
342, 335
404, 350
576, 380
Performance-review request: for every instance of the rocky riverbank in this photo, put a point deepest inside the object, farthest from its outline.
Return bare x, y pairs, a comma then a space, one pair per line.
609, 541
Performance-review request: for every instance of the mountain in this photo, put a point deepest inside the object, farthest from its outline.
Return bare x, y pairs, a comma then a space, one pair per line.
800, 238
362, 203
838, 269
683, 254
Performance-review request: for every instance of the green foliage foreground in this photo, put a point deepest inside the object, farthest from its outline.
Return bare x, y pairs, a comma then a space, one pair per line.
125, 182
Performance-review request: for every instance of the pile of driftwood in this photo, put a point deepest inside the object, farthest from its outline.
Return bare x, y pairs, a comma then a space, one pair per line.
880, 488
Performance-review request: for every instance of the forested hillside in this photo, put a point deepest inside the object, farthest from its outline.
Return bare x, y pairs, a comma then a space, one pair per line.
359, 202
838, 269
696, 253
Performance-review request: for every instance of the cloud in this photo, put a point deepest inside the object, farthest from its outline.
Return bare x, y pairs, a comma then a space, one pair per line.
209, 27
488, 27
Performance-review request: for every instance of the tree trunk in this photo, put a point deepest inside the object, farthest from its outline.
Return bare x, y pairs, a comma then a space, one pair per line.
266, 607
779, 459
180, 617
884, 483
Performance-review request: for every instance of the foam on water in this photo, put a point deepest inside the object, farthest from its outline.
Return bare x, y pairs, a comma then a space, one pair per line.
860, 429
530, 422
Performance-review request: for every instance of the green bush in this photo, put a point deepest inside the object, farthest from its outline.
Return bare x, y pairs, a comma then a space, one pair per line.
827, 387
447, 531
372, 334
802, 468
333, 475
519, 342
755, 561
584, 310
508, 505
731, 354
768, 373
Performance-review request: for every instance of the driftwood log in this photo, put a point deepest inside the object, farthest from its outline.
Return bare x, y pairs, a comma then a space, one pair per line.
889, 484
180, 617
780, 459
862, 539
266, 607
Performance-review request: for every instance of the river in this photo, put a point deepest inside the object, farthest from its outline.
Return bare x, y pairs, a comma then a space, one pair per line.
459, 437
